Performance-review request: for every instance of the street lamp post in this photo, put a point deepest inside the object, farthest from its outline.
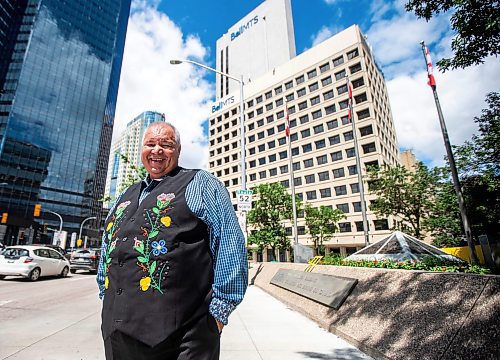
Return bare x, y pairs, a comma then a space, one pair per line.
242, 117
60, 223
81, 228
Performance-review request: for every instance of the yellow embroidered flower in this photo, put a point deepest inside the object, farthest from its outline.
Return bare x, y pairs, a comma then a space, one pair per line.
106, 282
110, 225
145, 282
166, 220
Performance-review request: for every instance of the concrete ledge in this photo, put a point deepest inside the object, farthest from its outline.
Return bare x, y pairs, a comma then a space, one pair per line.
401, 314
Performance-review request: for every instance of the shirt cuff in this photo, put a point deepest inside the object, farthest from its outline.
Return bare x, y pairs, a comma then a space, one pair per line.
221, 309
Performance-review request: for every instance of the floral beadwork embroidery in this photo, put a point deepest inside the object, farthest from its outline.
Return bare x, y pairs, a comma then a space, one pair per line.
154, 269
111, 230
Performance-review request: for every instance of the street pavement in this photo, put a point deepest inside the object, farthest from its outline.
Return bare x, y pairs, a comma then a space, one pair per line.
59, 319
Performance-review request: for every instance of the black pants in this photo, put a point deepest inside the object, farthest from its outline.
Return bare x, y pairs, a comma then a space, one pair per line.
198, 340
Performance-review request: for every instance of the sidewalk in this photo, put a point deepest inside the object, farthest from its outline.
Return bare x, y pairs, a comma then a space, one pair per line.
264, 328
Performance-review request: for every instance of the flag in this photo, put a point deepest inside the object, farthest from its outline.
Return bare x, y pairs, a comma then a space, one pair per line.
432, 81
349, 102
287, 126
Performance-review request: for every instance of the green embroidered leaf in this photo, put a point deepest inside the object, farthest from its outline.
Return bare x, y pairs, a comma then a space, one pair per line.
110, 235
111, 248
158, 203
156, 210
152, 234
142, 259
140, 249
152, 268
108, 260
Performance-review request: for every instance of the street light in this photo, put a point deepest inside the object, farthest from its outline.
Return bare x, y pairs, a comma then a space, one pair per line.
60, 224
81, 227
242, 126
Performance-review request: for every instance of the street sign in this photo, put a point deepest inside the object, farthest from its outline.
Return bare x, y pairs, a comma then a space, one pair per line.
244, 200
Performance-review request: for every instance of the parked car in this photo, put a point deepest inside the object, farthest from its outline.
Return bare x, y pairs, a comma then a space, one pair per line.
85, 259
32, 261
57, 248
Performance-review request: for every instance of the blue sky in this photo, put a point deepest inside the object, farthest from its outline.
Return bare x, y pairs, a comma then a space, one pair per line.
160, 30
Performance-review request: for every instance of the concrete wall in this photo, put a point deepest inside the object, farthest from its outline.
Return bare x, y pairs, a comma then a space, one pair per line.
398, 314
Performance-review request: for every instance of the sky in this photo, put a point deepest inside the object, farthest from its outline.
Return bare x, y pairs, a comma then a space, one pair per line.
160, 30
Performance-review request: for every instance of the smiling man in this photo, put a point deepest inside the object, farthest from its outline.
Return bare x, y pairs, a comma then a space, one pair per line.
173, 264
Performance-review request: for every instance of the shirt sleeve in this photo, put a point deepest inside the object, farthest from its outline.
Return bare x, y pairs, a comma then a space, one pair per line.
207, 197
101, 270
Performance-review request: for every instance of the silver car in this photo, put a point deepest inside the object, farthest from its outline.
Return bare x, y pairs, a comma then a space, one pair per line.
32, 261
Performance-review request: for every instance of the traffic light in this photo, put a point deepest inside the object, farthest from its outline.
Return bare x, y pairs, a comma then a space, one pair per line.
38, 209
4, 218
45, 228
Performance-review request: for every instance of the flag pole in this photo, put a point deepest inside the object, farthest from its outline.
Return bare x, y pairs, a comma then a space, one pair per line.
358, 164
292, 182
449, 154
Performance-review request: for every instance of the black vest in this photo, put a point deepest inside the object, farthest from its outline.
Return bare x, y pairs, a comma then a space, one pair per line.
158, 263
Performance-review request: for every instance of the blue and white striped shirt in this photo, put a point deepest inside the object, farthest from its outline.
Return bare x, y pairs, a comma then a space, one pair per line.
207, 198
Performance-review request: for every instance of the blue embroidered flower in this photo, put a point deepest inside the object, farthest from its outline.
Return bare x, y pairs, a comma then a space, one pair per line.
159, 247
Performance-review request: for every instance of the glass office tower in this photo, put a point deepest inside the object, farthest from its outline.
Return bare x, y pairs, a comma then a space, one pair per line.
60, 65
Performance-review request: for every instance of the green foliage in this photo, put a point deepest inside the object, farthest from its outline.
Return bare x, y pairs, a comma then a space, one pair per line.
403, 193
476, 24
272, 206
429, 263
322, 224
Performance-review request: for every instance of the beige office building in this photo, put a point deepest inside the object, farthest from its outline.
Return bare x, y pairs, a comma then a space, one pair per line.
324, 162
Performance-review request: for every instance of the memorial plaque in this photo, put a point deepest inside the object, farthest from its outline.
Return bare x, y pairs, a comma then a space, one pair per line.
326, 289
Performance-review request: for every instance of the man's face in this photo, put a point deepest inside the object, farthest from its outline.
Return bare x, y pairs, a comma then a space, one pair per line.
160, 152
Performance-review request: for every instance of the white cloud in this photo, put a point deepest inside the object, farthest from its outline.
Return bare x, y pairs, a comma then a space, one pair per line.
323, 34
149, 82
461, 94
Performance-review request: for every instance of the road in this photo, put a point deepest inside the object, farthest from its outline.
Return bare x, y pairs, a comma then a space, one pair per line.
50, 318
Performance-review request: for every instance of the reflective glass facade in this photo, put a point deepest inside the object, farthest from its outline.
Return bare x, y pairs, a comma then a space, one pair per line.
59, 83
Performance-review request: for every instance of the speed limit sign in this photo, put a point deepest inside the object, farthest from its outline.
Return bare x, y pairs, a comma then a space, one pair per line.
244, 200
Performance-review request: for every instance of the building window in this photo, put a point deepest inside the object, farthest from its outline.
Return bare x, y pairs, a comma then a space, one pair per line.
290, 97
336, 156
328, 95
381, 224
312, 74
279, 102
352, 169
297, 181
310, 179
358, 82
313, 87
306, 148
252, 163
301, 230
251, 138
356, 206
318, 129
289, 85
369, 148
268, 94
259, 111
335, 139
284, 169
360, 98
342, 89
295, 151
294, 137
273, 172
304, 119
344, 227
299, 79
272, 158
271, 144
324, 67
317, 114
320, 144
303, 105
352, 54
282, 141
305, 133
258, 99
296, 166
345, 120
278, 90
359, 226
325, 193
262, 161
330, 109
283, 155
366, 130
260, 135
326, 81
348, 136
300, 196
262, 147
269, 106
260, 123
311, 195
355, 68
343, 104
285, 183
340, 190
363, 114
354, 188
262, 174
253, 177
332, 124
338, 173
323, 176
249, 103
340, 75
308, 163
251, 151
323, 159
350, 152
270, 131
270, 118
338, 61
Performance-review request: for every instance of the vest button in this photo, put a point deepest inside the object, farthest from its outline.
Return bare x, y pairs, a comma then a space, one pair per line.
120, 263
119, 291
124, 239
132, 219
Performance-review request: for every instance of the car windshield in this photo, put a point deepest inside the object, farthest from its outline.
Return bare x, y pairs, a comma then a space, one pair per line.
15, 253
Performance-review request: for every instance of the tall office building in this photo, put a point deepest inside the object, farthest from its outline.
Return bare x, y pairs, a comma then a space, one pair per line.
259, 42
313, 84
128, 144
60, 65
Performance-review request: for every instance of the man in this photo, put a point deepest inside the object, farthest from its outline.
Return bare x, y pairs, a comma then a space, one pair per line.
173, 263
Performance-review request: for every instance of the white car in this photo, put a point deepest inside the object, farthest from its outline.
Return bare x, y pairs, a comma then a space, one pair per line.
32, 261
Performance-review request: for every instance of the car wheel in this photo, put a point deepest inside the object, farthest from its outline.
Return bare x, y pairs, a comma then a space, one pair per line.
2, 277
64, 272
73, 271
34, 274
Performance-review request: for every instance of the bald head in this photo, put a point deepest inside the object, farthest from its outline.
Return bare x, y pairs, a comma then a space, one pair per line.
161, 148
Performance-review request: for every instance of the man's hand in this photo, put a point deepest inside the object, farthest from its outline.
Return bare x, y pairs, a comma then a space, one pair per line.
220, 326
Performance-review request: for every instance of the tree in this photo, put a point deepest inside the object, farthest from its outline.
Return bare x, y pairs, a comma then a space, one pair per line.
272, 207
477, 27
403, 193
322, 224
